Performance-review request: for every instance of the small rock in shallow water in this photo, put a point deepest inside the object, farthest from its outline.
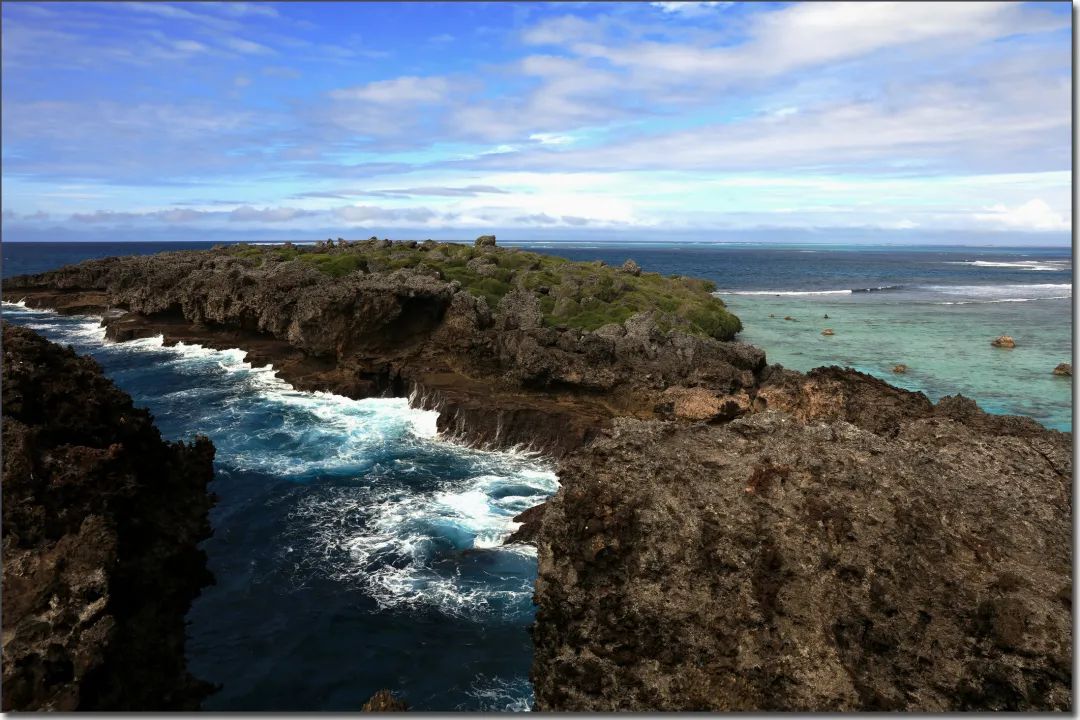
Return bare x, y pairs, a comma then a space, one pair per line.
788, 317
827, 331
385, 701
1004, 341
899, 369
1064, 370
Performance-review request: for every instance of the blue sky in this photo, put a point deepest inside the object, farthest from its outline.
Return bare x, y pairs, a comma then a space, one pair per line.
157, 120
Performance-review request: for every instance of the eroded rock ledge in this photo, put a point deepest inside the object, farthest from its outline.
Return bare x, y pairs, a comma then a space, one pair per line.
101, 520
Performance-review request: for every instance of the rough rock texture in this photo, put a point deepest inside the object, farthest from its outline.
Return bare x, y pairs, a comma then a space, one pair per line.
100, 524
776, 563
499, 374
1063, 370
385, 701
729, 535
1004, 341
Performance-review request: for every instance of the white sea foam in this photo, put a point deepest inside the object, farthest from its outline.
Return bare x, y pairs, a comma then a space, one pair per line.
427, 541
1035, 291
783, 292
441, 548
1043, 265
494, 694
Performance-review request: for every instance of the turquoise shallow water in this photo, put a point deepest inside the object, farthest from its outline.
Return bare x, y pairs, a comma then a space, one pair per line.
946, 347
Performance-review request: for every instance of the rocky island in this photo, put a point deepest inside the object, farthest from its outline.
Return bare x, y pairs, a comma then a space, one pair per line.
101, 521
729, 535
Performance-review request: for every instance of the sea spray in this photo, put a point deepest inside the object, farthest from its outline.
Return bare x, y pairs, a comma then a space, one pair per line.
358, 502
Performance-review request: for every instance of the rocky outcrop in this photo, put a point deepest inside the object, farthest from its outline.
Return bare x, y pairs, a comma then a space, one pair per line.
101, 520
729, 535
485, 241
1063, 370
787, 563
1004, 341
501, 375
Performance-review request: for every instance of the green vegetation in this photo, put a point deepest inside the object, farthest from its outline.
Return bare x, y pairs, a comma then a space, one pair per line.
573, 294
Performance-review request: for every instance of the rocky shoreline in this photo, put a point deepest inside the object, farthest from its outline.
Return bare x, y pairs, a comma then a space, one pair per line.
728, 535
101, 522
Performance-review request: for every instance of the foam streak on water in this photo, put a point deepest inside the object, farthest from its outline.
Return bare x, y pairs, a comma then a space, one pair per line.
373, 503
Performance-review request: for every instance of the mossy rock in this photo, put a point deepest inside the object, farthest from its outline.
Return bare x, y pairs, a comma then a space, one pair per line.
572, 294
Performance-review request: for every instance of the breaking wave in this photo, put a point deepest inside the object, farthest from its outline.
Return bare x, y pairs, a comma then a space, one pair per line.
1042, 265
414, 519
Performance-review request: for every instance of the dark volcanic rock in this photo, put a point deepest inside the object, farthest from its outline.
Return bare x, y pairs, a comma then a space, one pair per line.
510, 379
777, 564
530, 525
101, 519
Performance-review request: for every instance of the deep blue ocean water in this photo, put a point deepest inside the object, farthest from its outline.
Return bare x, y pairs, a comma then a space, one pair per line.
356, 550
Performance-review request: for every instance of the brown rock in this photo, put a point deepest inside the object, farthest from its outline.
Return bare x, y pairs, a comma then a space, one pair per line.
788, 317
772, 564
631, 268
827, 331
697, 404
899, 369
1004, 341
1064, 370
385, 701
485, 241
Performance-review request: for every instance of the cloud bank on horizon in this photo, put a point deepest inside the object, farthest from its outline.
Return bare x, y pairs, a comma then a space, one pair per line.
161, 120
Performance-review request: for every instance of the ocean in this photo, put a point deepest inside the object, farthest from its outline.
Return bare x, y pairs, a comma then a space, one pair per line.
356, 550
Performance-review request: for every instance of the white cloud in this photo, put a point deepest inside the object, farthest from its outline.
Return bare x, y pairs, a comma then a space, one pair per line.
407, 90
1035, 214
689, 8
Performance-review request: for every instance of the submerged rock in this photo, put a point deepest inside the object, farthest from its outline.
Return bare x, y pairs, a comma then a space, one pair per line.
1063, 370
101, 521
899, 369
828, 331
1003, 341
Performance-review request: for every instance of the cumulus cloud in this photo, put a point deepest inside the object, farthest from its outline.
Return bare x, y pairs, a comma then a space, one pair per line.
1035, 214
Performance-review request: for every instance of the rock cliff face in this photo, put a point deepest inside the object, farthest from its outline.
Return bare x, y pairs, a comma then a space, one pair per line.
825, 558
729, 535
500, 375
100, 524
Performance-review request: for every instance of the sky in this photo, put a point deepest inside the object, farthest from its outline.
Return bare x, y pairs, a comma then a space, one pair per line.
904, 121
